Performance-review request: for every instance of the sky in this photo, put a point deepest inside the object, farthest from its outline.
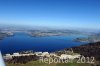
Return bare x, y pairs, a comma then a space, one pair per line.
51, 13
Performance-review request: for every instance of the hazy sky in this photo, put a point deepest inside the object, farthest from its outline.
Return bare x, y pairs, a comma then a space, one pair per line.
56, 13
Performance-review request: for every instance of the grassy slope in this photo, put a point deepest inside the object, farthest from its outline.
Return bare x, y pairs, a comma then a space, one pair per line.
37, 63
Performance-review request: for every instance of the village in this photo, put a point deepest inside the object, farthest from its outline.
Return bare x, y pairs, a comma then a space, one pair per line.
43, 55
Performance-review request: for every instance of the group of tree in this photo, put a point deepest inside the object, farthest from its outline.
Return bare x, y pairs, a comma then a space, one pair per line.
22, 59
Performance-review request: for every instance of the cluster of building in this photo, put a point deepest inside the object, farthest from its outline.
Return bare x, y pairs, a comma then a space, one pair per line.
43, 54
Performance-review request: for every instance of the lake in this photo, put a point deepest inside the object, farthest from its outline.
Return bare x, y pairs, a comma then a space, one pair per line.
22, 42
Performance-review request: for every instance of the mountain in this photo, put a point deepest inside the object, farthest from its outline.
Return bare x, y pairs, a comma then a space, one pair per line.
88, 50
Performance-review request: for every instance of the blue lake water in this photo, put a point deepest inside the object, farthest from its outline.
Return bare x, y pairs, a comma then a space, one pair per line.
22, 42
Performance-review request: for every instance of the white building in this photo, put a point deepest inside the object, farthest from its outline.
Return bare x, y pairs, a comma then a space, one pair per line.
53, 54
16, 54
76, 56
38, 53
65, 56
45, 53
7, 56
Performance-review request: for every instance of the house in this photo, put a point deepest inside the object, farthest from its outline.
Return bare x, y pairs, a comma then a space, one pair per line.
7, 56
16, 54
38, 53
44, 53
65, 56
53, 55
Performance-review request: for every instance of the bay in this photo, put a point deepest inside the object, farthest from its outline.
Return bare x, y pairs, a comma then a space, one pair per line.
23, 42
